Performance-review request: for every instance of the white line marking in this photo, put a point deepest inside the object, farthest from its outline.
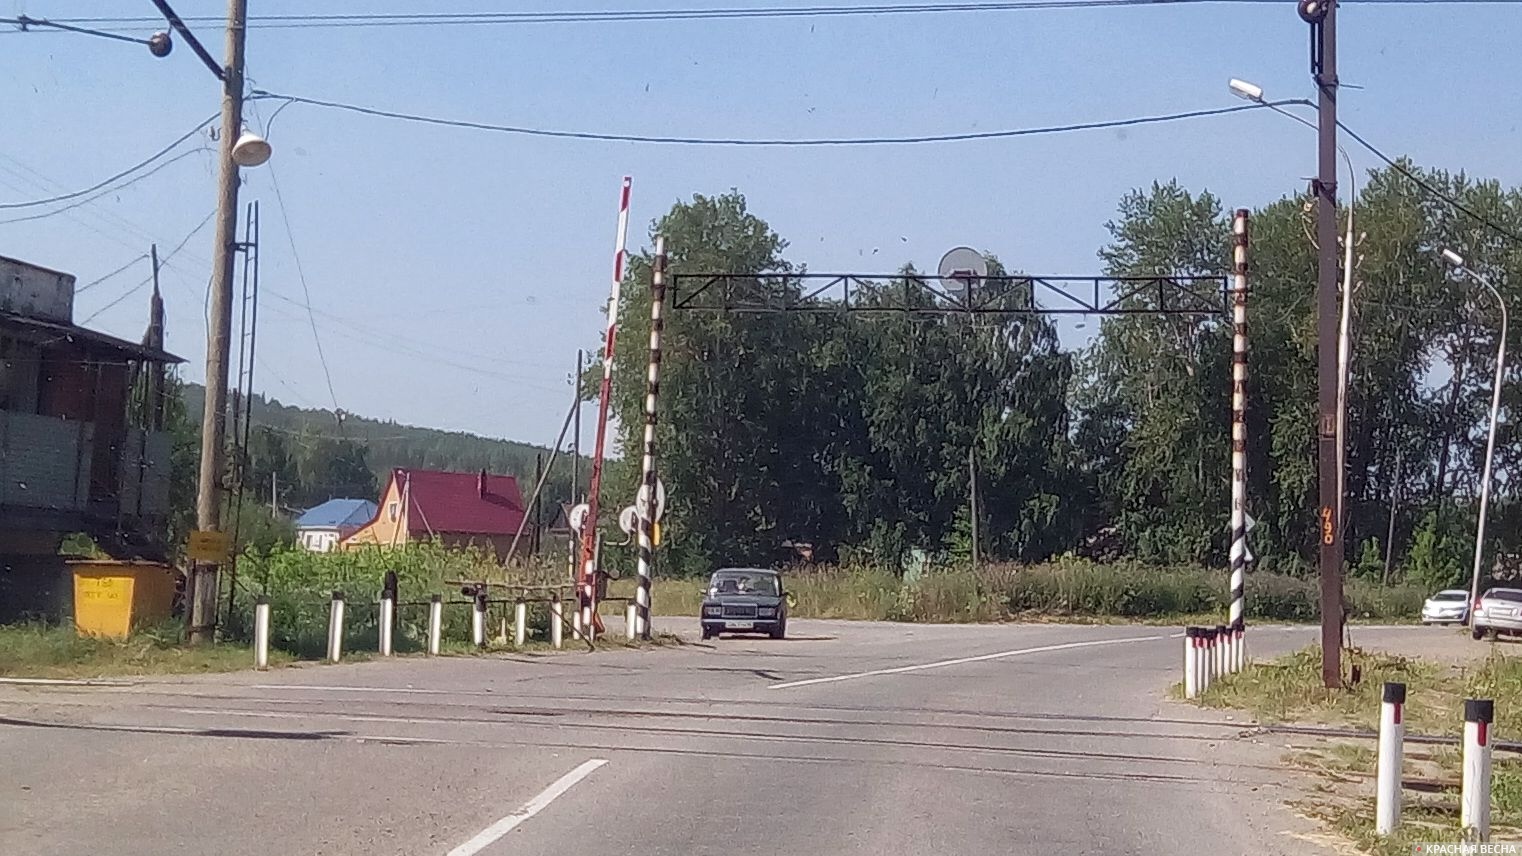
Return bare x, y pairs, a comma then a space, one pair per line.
345, 689
960, 660
490, 834
66, 682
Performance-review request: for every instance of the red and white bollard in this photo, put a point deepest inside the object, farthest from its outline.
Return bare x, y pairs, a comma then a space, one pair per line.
1392, 736
1474, 800
1222, 646
1191, 662
1208, 655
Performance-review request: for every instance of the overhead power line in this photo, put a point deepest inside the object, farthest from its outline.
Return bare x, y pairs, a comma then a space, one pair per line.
120, 175
290, 237
104, 192
600, 136
1427, 186
94, 282
594, 16
164, 260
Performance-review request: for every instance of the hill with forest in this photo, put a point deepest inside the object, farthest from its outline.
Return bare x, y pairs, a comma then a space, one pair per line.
309, 455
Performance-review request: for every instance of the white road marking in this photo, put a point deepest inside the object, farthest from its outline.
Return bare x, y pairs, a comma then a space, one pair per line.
346, 689
490, 834
66, 682
898, 670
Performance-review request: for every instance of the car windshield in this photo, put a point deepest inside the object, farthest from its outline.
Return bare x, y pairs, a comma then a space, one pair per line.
1450, 595
763, 585
1513, 595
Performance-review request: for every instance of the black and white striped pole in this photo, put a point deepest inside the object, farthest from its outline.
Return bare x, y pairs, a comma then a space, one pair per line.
1392, 736
1191, 662
435, 623
1474, 800
262, 633
1238, 639
649, 508
336, 628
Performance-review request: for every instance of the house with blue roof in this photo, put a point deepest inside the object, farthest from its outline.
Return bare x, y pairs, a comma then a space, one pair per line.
320, 529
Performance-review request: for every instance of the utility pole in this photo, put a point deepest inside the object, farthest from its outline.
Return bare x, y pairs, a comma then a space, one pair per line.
203, 622
1322, 17
576, 431
1394, 507
538, 500
972, 491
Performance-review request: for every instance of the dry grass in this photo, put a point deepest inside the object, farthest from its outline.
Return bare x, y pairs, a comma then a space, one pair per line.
38, 651
1289, 689
1063, 590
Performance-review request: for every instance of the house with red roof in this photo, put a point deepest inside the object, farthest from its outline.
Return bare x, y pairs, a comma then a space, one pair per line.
453, 509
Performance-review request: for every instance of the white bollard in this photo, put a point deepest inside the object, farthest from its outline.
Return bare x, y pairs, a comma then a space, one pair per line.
576, 624
336, 628
630, 612
262, 633
1474, 801
1200, 655
435, 624
557, 623
1392, 735
387, 622
478, 621
520, 624
1208, 655
1239, 648
1191, 666
1222, 641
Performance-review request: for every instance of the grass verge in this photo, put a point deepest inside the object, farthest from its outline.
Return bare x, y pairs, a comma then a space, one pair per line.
42, 651
1060, 590
1289, 690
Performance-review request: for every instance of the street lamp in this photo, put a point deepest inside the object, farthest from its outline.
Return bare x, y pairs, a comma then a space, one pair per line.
1457, 261
1254, 93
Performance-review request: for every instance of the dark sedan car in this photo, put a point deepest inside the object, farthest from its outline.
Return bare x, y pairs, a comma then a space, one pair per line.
745, 600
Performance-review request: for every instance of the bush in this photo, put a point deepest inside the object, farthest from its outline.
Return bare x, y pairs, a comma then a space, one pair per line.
300, 585
1071, 586
1369, 599
1279, 598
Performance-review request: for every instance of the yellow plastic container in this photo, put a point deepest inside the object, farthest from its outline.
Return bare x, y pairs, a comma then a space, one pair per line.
111, 598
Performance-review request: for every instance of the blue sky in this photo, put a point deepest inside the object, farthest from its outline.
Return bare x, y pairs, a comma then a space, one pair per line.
456, 272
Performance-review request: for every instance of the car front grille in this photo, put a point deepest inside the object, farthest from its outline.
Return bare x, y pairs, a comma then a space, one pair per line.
739, 610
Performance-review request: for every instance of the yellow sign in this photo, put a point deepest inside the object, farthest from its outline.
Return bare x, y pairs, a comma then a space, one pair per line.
207, 546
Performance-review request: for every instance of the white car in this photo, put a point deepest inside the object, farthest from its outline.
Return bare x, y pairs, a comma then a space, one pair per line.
1499, 611
1449, 606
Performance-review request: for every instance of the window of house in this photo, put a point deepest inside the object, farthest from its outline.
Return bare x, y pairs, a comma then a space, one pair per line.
393, 509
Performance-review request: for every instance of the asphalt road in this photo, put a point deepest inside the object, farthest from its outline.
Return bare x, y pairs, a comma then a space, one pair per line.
846, 738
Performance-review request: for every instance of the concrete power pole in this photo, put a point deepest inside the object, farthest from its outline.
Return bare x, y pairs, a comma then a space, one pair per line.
1322, 16
203, 622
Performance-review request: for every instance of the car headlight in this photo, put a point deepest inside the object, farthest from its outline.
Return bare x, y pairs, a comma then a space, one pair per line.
713, 611
767, 612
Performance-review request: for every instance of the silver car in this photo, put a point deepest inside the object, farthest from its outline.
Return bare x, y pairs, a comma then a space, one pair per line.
1499, 611
1449, 606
